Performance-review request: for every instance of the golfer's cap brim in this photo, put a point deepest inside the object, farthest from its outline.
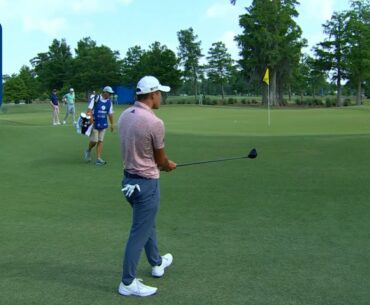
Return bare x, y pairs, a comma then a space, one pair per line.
164, 88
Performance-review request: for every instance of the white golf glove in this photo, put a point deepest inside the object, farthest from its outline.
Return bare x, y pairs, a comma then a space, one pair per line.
128, 189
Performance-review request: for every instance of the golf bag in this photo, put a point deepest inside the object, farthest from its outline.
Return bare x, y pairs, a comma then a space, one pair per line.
83, 125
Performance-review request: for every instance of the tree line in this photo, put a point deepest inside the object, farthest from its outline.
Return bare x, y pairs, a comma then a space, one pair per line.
270, 38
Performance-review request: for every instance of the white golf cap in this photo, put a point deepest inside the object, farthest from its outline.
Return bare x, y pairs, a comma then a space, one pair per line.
108, 89
71, 90
150, 84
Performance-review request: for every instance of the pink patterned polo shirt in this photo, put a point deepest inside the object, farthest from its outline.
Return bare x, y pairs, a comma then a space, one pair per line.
140, 131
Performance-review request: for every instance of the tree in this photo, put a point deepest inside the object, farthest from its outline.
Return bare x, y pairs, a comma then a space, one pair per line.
31, 82
85, 76
358, 29
308, 78
95, 66
15, 89
158, 61
189, 53
162, 63
332, 53
219, 66
132, 65
53, 68
238, 83
271, 38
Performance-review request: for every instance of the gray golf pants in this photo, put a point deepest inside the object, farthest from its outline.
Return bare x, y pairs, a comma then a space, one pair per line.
145, 205
70, 109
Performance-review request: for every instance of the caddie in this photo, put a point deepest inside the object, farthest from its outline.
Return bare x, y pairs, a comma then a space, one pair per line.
99, 109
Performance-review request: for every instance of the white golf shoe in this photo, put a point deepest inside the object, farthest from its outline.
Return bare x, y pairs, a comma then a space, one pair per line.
136, 288
158, 271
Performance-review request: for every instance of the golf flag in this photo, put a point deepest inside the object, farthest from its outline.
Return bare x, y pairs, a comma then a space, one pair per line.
266, 78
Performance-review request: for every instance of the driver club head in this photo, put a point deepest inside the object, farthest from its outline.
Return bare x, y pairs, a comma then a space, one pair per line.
252, 154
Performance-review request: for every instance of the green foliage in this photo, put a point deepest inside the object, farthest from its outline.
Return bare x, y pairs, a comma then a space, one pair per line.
358, 61
22, 87
158, 61
189, 54
271, 38
347, 102
15, 90
31, 83
94, 67
132, 65
308, 78
161, 62
219, 68
53, 68
330, 102
231, 101
332, 53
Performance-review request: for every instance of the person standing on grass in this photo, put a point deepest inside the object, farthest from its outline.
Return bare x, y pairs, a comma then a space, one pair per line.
141, 136
99, 110
70, 101
55, 106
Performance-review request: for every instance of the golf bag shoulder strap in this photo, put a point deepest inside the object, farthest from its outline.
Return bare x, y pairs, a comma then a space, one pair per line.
96, 100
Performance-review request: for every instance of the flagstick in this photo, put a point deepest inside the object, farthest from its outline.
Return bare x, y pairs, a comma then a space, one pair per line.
268, 105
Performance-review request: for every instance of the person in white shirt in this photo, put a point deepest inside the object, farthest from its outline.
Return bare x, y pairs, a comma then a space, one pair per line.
99, 110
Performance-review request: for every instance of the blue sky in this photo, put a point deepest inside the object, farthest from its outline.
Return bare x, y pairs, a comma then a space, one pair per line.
29, 26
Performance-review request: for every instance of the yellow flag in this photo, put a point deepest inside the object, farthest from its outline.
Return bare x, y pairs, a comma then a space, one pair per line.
266, 78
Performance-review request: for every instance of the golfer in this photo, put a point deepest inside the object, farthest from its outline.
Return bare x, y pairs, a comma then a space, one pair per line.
55, 106
99, 110
141, 135
70, 101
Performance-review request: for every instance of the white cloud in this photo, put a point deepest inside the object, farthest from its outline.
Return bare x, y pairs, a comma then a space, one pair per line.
312, 14
84, 6
50, 16
228, 39
316, 9
223, 10
48, 26
216, 10
125, 2
327, 9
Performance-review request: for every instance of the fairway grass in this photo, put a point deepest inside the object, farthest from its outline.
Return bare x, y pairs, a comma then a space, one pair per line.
288, 228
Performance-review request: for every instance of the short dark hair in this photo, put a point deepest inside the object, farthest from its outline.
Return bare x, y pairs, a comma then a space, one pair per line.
141, 97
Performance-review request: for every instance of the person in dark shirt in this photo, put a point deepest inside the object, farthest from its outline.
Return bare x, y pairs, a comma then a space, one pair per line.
55, 107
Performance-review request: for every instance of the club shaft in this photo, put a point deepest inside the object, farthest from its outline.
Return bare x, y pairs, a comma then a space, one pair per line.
209, 161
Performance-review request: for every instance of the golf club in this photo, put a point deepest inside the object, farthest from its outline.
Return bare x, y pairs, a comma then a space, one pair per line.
252, 154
